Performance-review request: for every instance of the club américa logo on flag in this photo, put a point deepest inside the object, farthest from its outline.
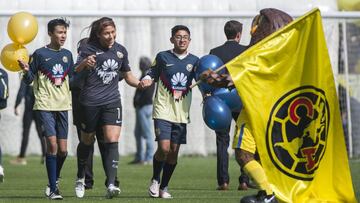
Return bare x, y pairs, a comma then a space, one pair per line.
297, 131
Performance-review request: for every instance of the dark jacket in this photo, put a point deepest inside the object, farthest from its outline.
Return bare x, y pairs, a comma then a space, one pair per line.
144, 97
227, 51
25, 91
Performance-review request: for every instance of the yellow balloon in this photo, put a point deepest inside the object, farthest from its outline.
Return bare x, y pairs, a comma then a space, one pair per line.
11, 53
22, 27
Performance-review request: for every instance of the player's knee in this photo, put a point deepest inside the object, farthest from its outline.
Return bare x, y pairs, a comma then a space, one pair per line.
87, 138
243, 157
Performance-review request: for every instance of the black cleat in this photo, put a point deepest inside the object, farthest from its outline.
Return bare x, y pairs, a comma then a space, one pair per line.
261, 197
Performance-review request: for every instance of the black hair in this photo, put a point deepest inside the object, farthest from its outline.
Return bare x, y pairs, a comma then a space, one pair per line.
145, 63
232, 28
97, 26
81, 43
176, 28
55, 22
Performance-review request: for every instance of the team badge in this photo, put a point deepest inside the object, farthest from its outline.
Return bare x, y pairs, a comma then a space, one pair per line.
297, 131
120, 55
189, 67
65, 59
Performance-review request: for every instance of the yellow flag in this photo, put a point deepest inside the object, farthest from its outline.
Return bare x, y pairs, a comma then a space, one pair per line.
288, 91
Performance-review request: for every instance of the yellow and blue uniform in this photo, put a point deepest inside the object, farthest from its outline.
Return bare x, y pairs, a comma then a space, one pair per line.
50, 69
173, 94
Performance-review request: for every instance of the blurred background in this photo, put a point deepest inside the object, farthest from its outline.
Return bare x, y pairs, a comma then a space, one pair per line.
143, 27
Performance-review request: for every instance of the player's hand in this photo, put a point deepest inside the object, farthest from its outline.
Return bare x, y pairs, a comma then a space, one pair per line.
90, 61
23, 65
146, 83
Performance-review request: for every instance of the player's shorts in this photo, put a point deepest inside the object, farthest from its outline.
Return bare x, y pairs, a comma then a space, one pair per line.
166, 130
97, 116
54, 123
243, 138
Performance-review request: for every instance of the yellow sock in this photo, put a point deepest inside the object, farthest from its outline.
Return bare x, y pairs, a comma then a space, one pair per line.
257, 173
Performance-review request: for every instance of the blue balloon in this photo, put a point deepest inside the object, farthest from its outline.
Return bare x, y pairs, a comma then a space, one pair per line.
230, 97
216, 113
205, 63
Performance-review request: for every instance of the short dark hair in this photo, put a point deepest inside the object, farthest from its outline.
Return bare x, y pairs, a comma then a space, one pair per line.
176, 28
144, 63
55, 22
231, 29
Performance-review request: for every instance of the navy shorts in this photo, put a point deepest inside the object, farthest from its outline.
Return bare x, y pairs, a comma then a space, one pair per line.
166, 130
97, 116
54, 123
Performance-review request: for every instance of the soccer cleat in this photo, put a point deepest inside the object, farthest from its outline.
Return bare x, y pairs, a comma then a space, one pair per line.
112, 191
55, 195
260, 197
18, 161
1, 174
164, 193
47, 189
80, 187
154, 188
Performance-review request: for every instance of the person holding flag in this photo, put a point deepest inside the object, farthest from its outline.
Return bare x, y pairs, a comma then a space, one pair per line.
289, 74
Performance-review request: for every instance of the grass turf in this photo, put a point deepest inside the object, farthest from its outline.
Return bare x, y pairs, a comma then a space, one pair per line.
194, 180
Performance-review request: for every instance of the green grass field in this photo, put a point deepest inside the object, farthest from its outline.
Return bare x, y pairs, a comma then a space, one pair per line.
193, 181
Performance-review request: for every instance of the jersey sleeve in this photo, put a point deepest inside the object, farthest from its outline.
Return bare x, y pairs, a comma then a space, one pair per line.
154, 71
125, 67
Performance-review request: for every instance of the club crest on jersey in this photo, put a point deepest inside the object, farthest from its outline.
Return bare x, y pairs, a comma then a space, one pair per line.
120, 55
297, 131
107, 71
65, 59
189, 67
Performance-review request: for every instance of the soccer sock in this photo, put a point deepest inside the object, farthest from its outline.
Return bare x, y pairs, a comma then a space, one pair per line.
51, 171
82, 151
255, 170
111, 161
167, 173
157, 167
59, 164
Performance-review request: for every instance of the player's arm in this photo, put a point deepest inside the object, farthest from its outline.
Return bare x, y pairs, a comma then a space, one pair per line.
132, 80
153, 73
87, 62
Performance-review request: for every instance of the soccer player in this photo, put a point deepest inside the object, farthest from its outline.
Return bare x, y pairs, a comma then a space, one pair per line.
76, 84
49, 69
104, 60
173, 70
229, 50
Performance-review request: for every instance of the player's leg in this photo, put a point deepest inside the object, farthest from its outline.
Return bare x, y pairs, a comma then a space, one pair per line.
245, 147
62, 134
163, 136
48, 121
88, 123
178, 137
111, 119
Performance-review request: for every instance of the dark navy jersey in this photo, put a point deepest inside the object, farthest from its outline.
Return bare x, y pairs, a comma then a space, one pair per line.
101, 84
174, 77
50, 70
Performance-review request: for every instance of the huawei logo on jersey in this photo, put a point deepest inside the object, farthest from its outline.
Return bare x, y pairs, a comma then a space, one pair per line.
57, 69
107, 71
179, 78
